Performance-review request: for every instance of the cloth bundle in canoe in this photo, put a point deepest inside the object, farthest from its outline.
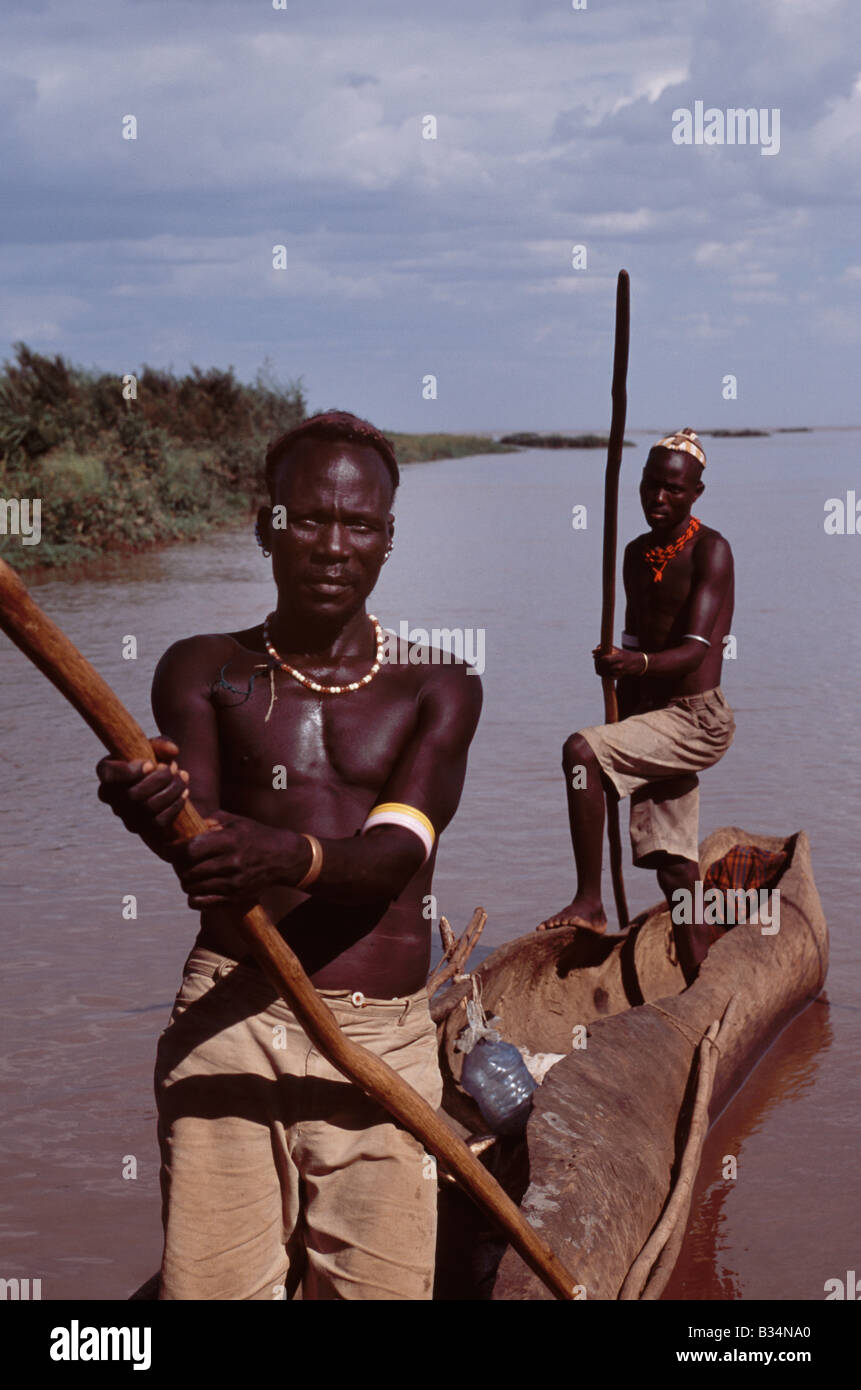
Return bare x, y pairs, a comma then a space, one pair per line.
742, 868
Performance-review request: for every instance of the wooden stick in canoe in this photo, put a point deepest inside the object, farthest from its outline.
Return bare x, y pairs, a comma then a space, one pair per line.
608, 604
56, 657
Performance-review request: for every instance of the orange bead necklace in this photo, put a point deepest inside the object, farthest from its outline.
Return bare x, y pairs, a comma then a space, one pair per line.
659, 555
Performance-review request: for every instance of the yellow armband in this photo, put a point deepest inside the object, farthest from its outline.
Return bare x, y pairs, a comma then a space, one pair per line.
396, 813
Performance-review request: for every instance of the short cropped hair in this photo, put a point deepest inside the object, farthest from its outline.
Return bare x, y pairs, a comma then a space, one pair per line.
332, 425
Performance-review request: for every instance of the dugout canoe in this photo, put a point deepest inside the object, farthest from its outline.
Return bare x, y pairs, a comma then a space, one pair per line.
610, 1119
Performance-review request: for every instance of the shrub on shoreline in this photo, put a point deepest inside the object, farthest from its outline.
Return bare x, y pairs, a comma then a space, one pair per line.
114, 474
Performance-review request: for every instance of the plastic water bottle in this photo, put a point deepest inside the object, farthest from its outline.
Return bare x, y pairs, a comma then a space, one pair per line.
495, 1075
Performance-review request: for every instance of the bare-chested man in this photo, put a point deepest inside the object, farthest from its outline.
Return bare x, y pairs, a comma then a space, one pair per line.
327, 781
674, 718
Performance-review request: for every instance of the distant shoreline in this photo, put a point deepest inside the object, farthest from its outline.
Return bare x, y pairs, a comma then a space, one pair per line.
758, 434
425, 448
93, 512
527, 439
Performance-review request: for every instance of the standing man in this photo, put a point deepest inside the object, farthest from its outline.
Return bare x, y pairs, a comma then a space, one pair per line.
674, 718
327, 775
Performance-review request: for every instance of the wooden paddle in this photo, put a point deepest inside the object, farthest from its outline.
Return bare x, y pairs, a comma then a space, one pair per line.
48, 647
608, 604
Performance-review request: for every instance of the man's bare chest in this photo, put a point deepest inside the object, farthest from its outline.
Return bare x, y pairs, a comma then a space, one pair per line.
270, 726
659, 602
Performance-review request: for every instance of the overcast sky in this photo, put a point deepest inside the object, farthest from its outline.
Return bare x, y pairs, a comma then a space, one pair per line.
407, 256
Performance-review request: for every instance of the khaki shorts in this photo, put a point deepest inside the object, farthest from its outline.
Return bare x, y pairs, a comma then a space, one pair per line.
654, 758
277, 1172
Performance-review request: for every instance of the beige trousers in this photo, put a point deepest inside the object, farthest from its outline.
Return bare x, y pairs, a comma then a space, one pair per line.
277, 1173
654, 758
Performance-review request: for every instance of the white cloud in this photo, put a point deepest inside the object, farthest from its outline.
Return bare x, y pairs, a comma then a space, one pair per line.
722, 255
837, 325
651, 86
619, 223
31, 316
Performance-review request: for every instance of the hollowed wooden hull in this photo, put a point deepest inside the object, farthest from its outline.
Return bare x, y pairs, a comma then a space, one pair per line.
609, 1120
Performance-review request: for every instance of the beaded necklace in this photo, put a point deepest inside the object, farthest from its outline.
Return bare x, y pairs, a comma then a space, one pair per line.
659, 555
316, 686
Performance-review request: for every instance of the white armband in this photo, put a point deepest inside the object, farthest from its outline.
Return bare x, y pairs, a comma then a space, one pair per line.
396, 813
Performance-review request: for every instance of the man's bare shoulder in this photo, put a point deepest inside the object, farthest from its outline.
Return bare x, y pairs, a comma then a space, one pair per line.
638, 544
449, 683
711, 545
201, 656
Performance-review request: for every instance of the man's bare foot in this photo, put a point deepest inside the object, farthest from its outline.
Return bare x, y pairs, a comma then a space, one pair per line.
578, 913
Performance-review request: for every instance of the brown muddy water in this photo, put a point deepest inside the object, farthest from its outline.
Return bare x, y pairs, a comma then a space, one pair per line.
484, 544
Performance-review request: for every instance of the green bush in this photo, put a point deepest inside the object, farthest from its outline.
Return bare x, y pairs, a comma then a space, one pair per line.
45, 402
113, 474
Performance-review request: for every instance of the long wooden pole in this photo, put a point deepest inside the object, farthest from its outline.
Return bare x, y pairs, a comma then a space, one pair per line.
48, 647
608, 602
